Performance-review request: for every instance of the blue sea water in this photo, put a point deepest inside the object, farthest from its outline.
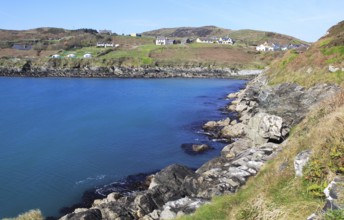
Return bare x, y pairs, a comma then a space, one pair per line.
61, 136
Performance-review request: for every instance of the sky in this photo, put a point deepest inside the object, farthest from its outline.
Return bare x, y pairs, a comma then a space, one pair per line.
305, 19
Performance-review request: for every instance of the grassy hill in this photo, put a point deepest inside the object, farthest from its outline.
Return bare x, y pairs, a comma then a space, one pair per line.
141, 51
249, 37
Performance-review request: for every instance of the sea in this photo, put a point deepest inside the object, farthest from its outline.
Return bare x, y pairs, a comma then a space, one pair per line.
62, 136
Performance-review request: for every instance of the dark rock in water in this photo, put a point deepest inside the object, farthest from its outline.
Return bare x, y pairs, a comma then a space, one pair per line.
193, 149
89, 214
131, 183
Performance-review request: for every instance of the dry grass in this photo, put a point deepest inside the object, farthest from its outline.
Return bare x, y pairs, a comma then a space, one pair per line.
30, 215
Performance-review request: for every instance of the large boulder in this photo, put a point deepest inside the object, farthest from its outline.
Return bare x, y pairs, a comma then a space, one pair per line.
232, 131
236, 147
264, 127
172, 176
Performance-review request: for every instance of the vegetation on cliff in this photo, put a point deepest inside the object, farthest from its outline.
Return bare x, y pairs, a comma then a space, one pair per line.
313, 66
275, 193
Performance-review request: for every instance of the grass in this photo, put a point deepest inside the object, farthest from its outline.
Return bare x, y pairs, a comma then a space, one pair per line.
275, 193
30, 215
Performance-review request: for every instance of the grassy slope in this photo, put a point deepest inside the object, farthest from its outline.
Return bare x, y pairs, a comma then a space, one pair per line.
311, 67
139, 51
275, 193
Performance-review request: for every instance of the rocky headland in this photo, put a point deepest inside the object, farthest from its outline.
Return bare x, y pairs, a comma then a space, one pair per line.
265, 116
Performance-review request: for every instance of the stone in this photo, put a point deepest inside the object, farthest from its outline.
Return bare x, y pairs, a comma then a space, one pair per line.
195, 148
232, 95
210, 125
167, 214
236, 130
84, 214
264, 127
224, 122
333, 69
300, 161
231, 107
236, 147
172, 176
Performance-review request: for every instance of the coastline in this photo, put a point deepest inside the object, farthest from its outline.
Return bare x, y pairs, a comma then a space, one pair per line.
128, 72
258, 135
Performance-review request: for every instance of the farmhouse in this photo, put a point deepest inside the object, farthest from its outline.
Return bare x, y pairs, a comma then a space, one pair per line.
265, 47
163, 41
225, 40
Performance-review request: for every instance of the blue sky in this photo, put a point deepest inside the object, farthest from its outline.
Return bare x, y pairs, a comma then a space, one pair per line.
305, 19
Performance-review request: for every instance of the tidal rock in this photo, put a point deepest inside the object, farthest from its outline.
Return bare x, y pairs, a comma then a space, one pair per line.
300, 161
210, 125
196, 148
224, 122
231, 131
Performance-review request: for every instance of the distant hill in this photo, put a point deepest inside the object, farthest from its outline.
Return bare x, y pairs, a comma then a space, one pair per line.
250, 37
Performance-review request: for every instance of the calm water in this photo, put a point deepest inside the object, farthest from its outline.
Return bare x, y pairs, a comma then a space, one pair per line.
59, 137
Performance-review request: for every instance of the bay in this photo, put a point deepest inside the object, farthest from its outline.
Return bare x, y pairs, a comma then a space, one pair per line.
61, 136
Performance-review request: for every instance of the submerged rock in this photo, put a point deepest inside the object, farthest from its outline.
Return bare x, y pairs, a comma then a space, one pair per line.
196, 148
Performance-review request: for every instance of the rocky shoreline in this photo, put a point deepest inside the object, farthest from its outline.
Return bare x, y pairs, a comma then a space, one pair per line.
126, 72
266, 115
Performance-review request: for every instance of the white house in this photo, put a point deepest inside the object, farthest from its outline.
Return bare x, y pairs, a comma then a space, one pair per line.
203, 40
71, 55
225, 40
105, 45
265, 47
87, 55
163, 41
55, 56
